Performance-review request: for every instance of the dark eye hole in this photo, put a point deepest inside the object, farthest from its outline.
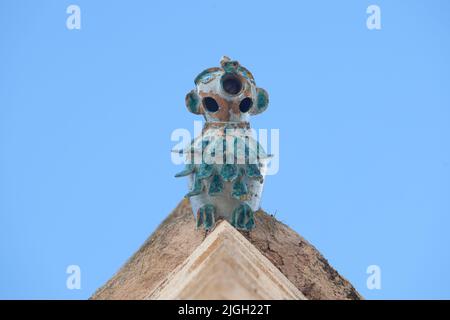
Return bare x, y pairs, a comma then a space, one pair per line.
231, 84
245, 105
210, 104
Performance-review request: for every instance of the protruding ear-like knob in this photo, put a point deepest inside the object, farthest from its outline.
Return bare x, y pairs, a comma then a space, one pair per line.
193, 103
262, 101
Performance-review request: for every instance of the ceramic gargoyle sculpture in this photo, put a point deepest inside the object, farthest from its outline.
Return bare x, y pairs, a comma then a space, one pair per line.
225, 164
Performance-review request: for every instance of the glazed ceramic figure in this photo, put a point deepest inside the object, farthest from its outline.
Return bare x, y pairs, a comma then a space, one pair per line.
225, 165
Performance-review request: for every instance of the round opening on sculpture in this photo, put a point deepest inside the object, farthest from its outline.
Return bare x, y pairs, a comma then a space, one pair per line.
210, 104
245, 104
231, 84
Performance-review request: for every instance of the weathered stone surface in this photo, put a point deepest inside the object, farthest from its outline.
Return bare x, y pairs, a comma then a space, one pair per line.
226, 266
176, 239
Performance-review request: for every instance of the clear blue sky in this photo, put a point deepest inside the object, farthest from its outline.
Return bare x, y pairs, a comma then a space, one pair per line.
86, 117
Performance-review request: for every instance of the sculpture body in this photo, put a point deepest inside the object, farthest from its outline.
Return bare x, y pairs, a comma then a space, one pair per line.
225, 165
